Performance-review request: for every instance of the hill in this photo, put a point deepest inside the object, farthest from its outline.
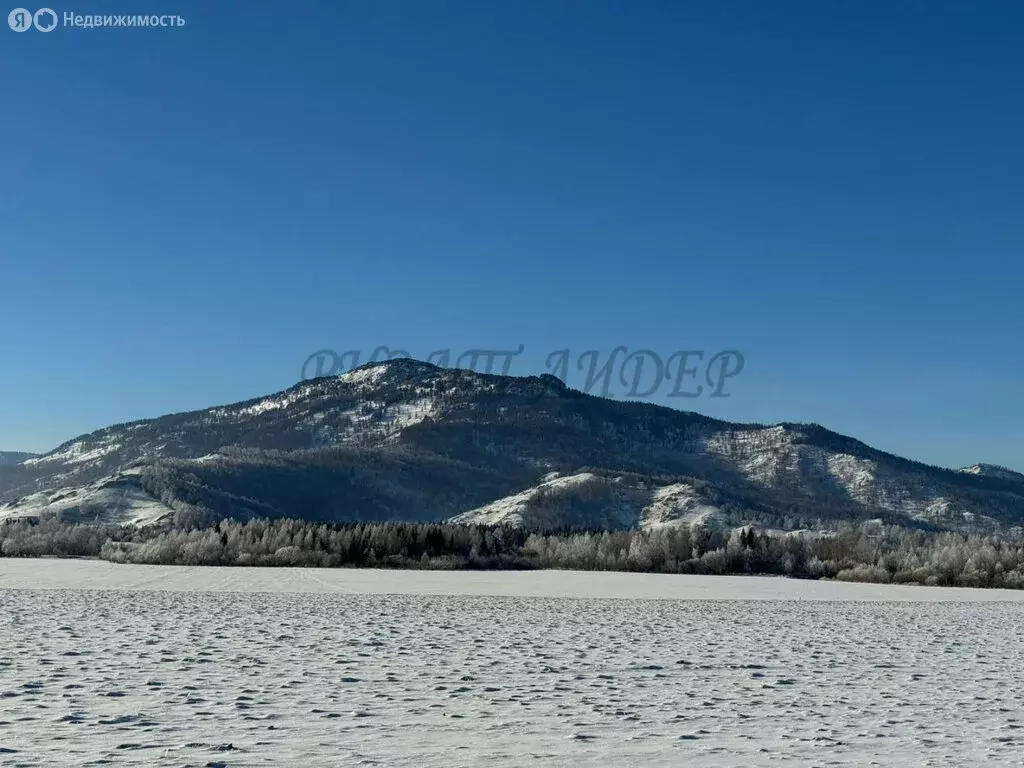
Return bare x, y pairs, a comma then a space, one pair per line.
408, 441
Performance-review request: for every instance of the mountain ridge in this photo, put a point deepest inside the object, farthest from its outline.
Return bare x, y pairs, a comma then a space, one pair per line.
406, 439
10, 458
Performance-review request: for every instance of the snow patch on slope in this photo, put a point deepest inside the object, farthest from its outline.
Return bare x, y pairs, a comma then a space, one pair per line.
677, 504
269, 404
76, 453
367, 376
993, 470
119, 498
376, 419
514, 509
622, 502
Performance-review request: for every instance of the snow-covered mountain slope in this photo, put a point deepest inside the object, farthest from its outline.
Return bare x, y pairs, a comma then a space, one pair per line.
343, 410
598, 500
119, 498
406, 440
993, 470
10, 458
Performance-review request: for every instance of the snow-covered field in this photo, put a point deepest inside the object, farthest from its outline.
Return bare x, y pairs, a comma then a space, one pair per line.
151, 666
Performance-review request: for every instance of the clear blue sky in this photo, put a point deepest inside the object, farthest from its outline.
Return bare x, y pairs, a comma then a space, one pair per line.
835, 189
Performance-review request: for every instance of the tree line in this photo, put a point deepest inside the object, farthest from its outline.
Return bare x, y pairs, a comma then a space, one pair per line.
872, 553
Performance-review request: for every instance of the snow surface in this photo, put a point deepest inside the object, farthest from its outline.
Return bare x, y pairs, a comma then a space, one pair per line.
165, 666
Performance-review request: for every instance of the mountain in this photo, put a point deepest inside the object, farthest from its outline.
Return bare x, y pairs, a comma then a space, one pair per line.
992, 470
406, 440
9, 458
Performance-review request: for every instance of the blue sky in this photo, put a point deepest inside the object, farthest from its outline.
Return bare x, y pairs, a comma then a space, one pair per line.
833, 189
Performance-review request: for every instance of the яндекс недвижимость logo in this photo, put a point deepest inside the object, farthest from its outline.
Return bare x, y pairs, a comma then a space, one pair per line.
46, 20
22, 19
